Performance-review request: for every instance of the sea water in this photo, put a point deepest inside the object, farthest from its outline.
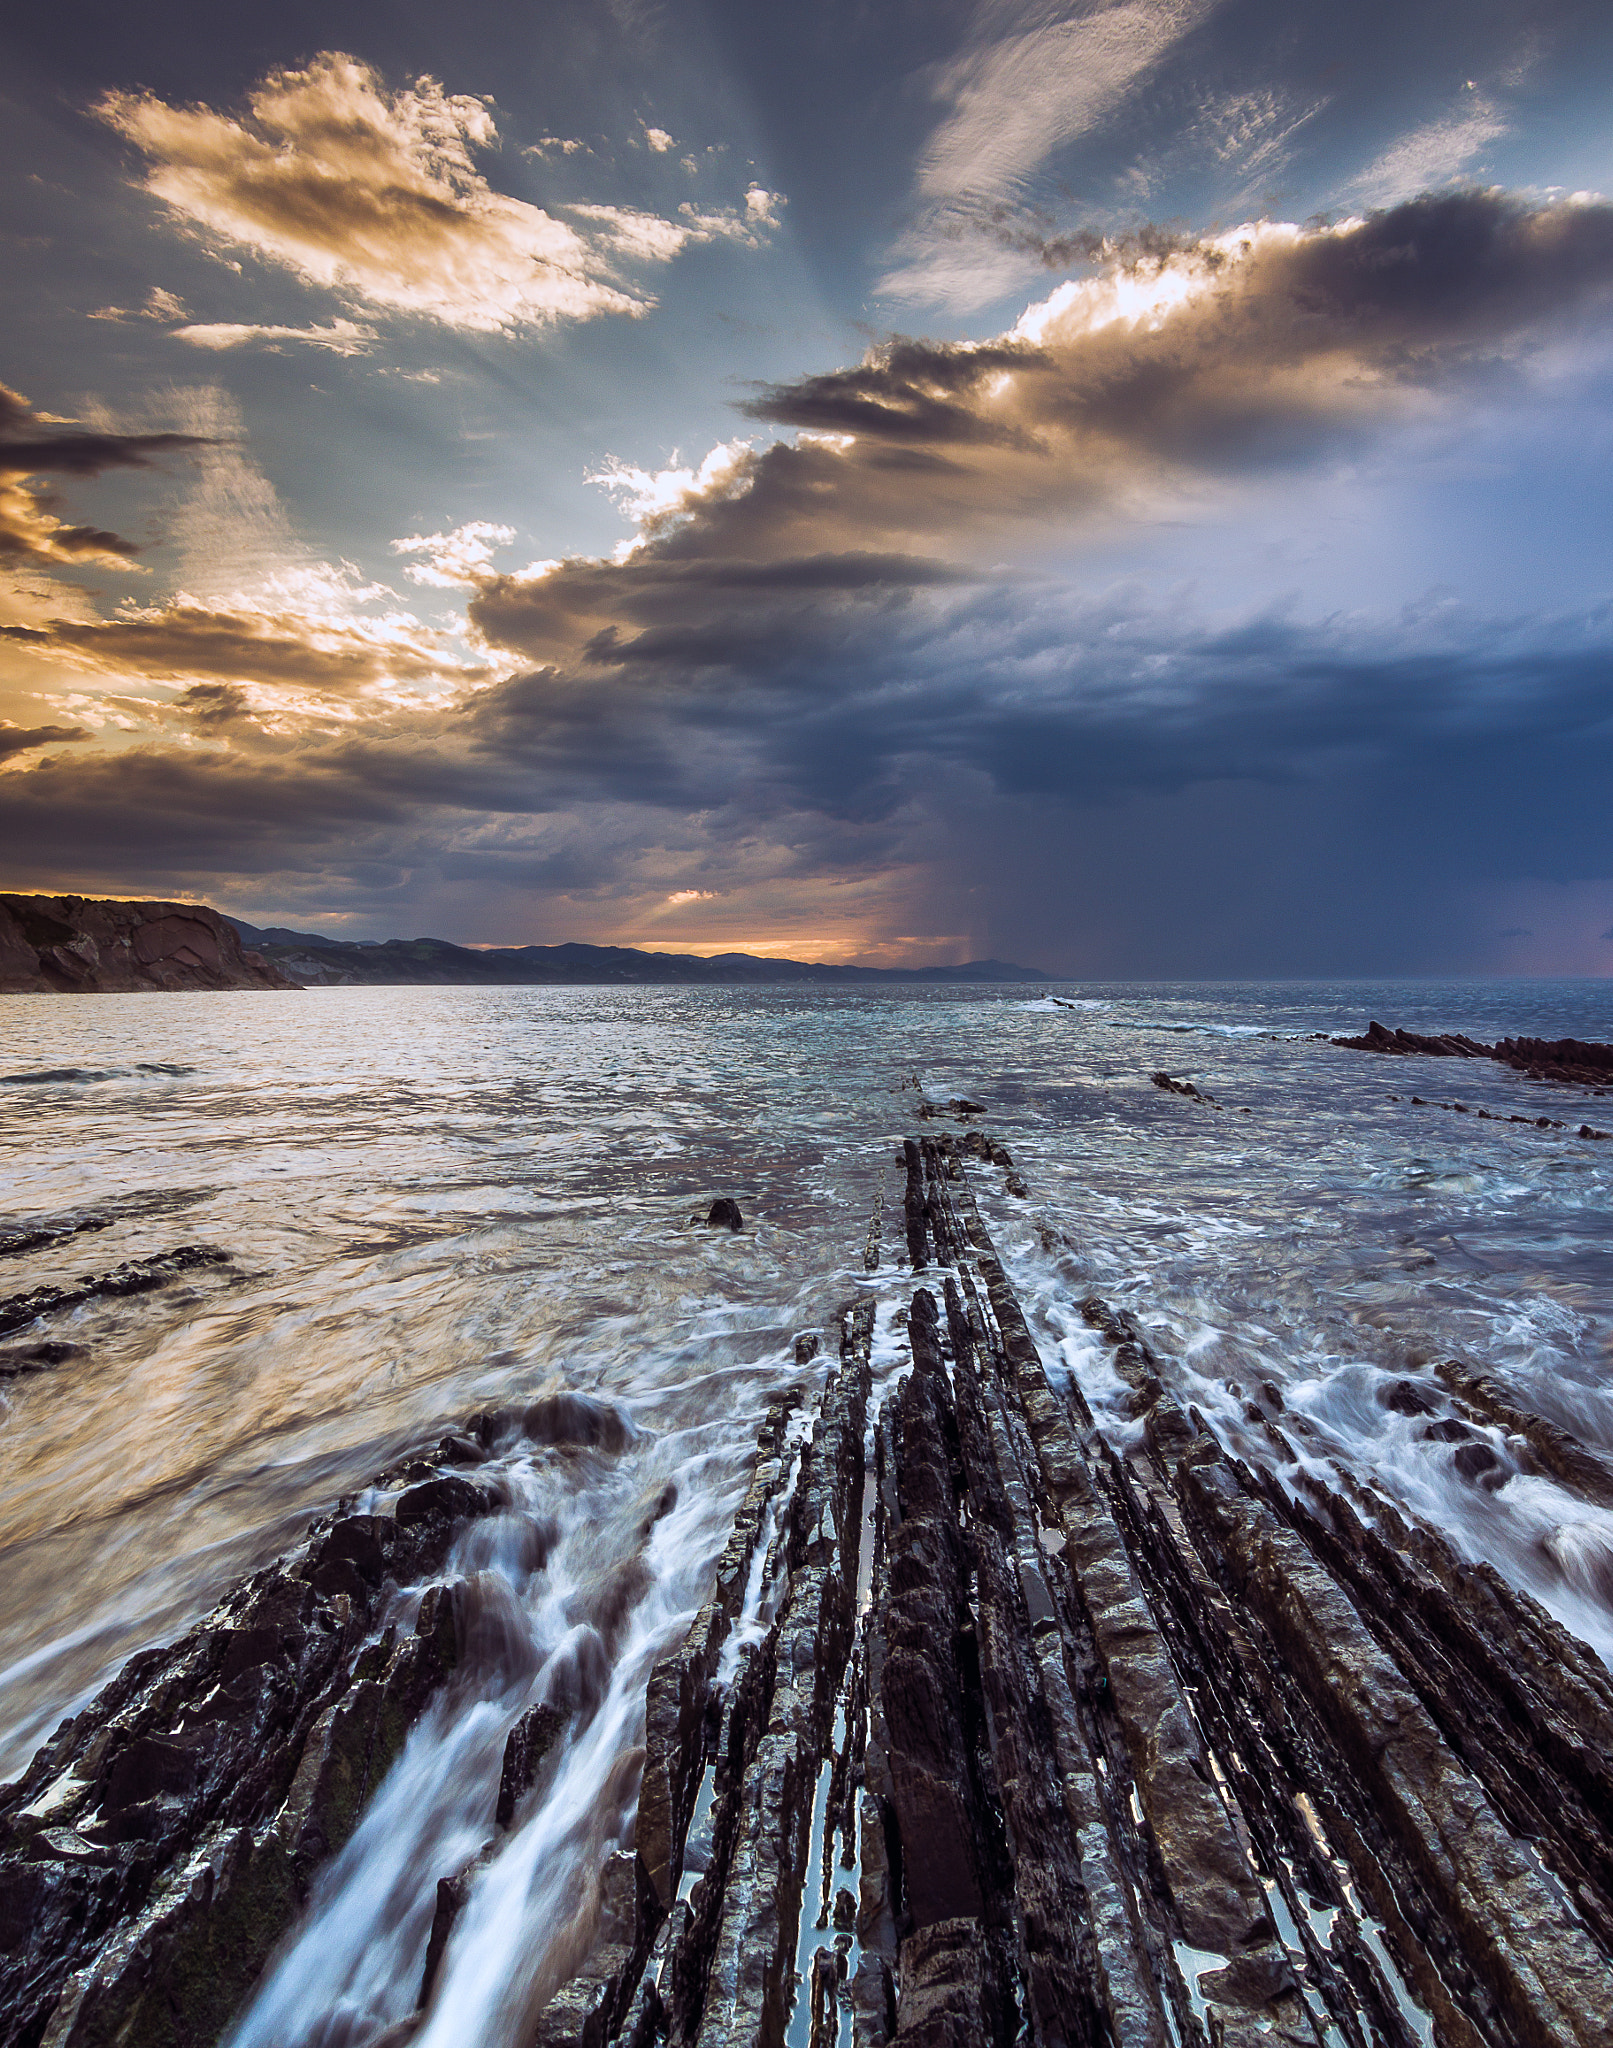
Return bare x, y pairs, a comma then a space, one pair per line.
434, 1200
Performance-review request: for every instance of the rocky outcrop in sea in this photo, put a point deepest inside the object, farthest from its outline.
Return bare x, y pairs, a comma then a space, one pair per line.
1577, 1062
73, 945
1000, 1724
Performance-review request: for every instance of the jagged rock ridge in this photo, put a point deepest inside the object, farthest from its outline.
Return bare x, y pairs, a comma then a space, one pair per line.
992, 1730
165, 1838
1125, 1749
1581, 1063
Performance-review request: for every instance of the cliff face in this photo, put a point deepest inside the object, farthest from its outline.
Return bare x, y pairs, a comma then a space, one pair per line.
76, 946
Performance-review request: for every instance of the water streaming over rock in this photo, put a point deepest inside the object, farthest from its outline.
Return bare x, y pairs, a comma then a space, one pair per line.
434, 1200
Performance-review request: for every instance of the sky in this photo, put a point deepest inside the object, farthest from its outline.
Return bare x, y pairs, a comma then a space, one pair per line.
1122, 487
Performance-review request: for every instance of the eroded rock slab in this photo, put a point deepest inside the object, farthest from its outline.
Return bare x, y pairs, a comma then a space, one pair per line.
1577, 1062
1046, 1743
162, 1841
992, 1730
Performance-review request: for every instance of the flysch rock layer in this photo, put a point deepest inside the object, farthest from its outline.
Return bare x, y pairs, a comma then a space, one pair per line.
166, 1837
990, 1732
73, 945
1033, 1741
1578, 1062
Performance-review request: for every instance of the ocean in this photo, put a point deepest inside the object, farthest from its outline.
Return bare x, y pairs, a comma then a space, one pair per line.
433, 1201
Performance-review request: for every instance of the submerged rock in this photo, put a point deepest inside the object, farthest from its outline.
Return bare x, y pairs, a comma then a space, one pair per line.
136, 1276
724, 1215
1175, 1087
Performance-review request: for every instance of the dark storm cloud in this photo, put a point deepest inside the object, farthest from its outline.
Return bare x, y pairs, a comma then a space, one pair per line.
1242, 355
907, 391
1408, 294
20, 739
148, 810
1131, 249
213, 705
1040, 693
26, 451
31, 447
1475, 745
616, 611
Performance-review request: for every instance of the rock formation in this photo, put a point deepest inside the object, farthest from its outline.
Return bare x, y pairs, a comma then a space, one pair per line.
1579, 1062
73, 945
1049, 1743
993, 1730
162, 1841
1175, 1087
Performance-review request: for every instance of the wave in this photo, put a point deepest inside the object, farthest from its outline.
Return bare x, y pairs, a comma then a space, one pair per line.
43, 1077
1209, 1030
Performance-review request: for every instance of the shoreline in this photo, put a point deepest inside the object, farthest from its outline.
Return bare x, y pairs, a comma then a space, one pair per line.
1013, 1727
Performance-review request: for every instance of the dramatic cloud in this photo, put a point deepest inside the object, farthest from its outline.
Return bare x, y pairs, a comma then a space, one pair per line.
851, 665
377, 195
31, 447
1232, 358
881, 745
283, 649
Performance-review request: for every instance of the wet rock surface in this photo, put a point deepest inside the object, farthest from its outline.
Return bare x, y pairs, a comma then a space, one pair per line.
162, 1841
136, 1276
1175, 1087
39, 1237
1580, 1063
996, 1727
1487, 1116
1035, 1740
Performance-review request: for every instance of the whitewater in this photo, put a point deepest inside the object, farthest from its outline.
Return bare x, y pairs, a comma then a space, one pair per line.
434, 1201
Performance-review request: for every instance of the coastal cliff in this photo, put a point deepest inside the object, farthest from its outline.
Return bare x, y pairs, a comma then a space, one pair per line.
74, 945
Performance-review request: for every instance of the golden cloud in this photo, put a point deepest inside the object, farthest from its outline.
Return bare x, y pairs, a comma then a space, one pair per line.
377, 195
1177, 369
185, 642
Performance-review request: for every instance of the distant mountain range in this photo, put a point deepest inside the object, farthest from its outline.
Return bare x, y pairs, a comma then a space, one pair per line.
311, 958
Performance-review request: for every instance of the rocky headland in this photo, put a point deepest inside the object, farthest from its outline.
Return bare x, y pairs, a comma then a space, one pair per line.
996, 1727
74, 945
78, 945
